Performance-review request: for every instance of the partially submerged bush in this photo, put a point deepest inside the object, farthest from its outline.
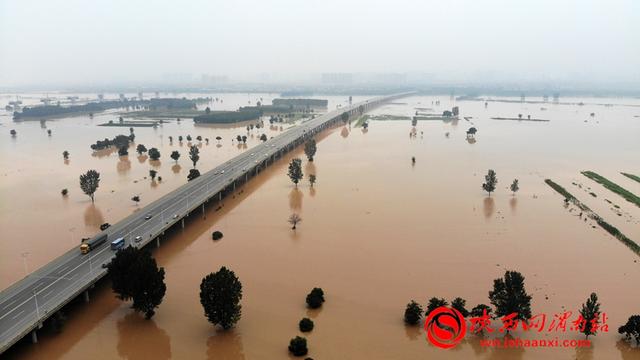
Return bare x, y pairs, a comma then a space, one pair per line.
64, 192
315, 298
305, 325
217, 235
298, 346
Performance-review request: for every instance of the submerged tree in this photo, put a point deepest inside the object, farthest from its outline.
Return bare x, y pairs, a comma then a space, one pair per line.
152, 174
514, 186
305, 325
220, 295
509, 296
310, 149
175, 155
154, 154
412, 313
194, 155
459, 304
193, 173
631, 330
490, 181
294, 219
344, 117
141, 149
136, 199
135, 275
312, 179
298, 346
590, 314
435, 303
315, 298
295, 170
89, 183
123, 151
65, 155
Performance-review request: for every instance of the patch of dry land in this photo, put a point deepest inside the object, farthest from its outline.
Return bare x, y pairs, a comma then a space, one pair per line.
377, 232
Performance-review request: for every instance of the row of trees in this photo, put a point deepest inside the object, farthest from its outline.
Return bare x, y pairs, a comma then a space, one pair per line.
509, 296
298, 345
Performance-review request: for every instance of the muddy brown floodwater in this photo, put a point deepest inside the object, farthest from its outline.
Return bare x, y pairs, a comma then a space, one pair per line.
377, 232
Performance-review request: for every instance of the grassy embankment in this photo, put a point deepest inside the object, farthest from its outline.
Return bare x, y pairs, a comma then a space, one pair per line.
520, 119
631, 176
361, 120
628, 195
599, 220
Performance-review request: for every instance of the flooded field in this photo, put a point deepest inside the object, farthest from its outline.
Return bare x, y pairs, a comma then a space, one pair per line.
377, 230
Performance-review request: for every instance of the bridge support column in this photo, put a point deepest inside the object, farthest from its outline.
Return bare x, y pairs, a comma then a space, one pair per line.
234, 186
203, 210
158, 242
86, 296
34, 337
183, 223
220, 196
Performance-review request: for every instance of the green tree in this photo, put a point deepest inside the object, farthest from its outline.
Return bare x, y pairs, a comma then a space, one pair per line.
123, 151
435, 303
207, 110
141, 149
89, 183
590, 313
263, 137
153, 174
298, 346
295, 170
244, 139
344, 117
490, 181
412, 313
459, 304
154, 154
194, 155
315, 298
175, 155
220, 295
136, 199
188, 137
135, 275
193, 173
509, 296
65, 155
514, 186
312, 179
310, 149
631, 330
480, 310
180, 138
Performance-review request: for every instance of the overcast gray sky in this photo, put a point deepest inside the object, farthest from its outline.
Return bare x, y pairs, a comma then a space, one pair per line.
80, 41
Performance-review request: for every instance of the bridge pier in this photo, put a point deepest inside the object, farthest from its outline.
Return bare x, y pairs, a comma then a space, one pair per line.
183, 223
34, 337
86, 296
158, 242
203, 211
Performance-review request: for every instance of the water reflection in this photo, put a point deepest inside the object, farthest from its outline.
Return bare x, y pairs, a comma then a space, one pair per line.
155, 163
295, 199
124, 165
345, 132
310, 168
312, 191
93, 216
627, 352
142, 158
585, 353
66, 161
488, 206
513, 203
413, 332
471, 140
142, 339
176, 168
225, 345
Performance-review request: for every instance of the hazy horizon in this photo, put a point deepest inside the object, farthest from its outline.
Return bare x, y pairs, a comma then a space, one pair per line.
72, 42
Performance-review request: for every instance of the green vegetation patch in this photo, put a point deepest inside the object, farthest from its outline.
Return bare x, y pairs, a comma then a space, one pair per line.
631, 176
599, 220
628, 195
389, 117
227, 117
361, 120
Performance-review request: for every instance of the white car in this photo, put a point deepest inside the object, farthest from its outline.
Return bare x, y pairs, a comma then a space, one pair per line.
137, 238
175, 216
149, 216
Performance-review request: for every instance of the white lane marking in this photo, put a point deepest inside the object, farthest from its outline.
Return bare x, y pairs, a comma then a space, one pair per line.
47, 293
17, 315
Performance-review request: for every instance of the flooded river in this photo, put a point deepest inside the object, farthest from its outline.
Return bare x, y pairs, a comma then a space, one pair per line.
377, 230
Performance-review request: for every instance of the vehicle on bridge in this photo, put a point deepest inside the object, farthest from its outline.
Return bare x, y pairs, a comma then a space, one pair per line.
93, 243
117, 243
